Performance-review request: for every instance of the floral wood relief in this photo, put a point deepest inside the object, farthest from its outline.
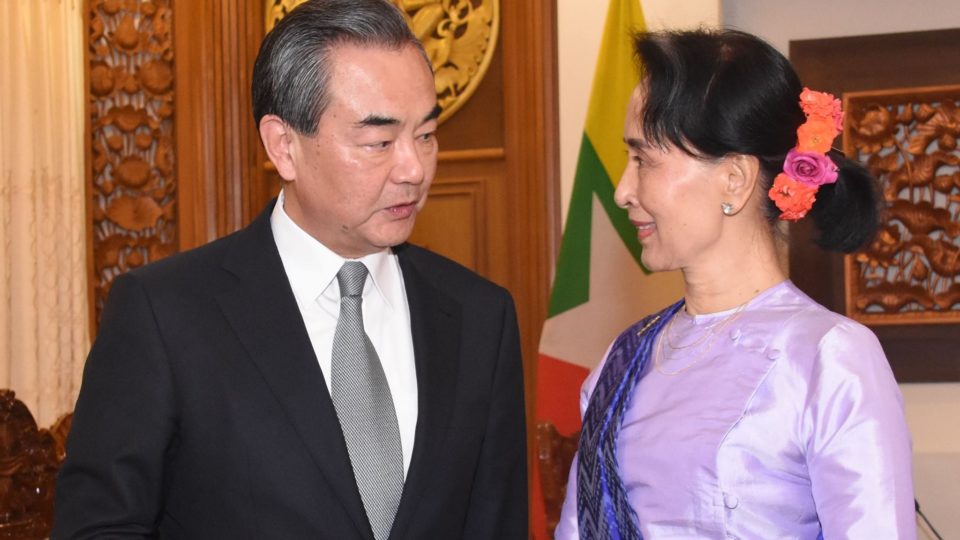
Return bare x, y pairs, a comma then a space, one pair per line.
29, 462
908, 139
459, 36
131, 113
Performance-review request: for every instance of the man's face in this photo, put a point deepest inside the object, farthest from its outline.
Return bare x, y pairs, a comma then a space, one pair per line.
361, 180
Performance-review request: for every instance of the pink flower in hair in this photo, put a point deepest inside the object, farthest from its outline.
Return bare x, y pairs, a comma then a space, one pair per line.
813, 169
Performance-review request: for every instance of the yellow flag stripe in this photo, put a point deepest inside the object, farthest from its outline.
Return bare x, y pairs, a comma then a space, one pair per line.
613, 82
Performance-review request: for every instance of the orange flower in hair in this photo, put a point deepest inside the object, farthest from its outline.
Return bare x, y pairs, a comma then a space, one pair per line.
816, 103
816, 135
794, 199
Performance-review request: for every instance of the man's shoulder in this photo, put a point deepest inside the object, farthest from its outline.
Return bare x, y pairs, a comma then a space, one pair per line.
197, 269
209, 255
448, 275
242, 246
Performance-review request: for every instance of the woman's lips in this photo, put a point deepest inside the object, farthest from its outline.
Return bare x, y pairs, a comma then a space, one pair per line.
644, 228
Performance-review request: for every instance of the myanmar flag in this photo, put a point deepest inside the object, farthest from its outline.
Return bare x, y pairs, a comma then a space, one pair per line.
600, 286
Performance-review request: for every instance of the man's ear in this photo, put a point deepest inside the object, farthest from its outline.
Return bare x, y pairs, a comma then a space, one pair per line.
741, 174
279, 140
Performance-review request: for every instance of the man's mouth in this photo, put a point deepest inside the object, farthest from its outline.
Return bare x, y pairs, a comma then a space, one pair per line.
402, 211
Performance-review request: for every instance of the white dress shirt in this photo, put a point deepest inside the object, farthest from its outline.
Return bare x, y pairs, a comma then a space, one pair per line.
312, 270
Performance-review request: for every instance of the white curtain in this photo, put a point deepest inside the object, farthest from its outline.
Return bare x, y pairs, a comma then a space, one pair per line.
44, 332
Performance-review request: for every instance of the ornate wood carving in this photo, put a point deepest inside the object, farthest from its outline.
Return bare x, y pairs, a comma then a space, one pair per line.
459, 36
908, 140
28, 470
133, 188
555, 455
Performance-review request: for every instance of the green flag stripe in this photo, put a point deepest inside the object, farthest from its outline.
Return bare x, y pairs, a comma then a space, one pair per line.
571, 286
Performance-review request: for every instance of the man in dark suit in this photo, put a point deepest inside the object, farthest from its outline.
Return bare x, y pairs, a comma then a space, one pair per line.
310, 376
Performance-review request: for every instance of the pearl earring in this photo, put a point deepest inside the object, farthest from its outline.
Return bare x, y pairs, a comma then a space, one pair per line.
727, 209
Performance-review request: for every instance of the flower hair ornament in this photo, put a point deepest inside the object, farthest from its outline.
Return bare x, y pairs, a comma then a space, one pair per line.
807, 166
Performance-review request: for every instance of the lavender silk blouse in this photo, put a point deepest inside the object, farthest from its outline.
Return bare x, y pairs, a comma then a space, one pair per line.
786, 421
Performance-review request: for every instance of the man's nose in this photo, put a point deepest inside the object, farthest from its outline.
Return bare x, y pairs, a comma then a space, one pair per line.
409, 166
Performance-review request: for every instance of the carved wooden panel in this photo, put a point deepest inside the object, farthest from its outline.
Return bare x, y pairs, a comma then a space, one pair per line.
555, 456
133, 188
908, 139
28, 470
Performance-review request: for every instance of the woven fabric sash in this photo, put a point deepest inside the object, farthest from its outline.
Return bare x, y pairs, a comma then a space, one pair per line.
603, 511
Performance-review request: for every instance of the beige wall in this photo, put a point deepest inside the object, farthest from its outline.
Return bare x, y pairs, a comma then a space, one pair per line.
933, 410
780, 22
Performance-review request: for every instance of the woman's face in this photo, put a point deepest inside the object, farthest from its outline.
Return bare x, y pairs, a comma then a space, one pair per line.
672, 198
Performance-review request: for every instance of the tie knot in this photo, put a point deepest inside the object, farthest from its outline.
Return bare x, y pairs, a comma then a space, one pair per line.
351, 277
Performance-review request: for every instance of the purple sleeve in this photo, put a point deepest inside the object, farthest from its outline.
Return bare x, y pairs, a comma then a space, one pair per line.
857, 442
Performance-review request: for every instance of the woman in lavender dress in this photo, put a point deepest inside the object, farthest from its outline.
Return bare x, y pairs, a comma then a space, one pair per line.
746, 410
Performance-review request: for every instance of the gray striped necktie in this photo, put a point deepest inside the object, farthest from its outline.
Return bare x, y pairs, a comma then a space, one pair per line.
364, 406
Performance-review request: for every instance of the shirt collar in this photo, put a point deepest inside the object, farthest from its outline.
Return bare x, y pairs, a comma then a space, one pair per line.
312, 267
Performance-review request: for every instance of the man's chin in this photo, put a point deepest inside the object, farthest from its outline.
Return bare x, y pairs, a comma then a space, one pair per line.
395, 236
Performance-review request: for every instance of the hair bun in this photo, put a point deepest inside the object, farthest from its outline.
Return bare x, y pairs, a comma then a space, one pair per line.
847, 212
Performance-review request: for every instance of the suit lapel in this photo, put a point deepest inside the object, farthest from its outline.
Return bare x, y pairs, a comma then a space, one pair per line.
435, 325
264, 314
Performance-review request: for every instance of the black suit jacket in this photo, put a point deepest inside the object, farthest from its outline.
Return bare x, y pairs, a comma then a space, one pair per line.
203, 412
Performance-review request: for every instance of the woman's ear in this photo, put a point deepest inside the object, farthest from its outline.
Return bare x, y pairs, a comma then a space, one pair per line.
279, 140
740, 176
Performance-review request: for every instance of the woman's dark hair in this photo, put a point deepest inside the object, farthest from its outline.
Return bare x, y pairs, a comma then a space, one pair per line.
715, 93
292, 71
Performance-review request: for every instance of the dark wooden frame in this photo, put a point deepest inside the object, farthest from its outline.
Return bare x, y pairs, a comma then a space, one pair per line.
917, 352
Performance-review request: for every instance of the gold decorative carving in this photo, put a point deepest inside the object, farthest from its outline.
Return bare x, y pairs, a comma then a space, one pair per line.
131, 118
459, 36
908, 139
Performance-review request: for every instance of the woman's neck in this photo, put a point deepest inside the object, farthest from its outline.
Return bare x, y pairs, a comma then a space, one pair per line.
737, 272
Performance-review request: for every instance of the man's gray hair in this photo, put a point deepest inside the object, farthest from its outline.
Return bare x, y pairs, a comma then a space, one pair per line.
292, 71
